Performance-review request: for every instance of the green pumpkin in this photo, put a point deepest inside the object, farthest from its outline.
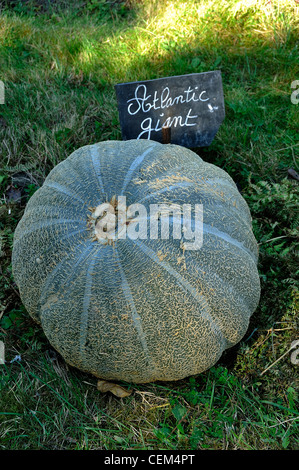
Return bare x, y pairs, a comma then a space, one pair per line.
136, 309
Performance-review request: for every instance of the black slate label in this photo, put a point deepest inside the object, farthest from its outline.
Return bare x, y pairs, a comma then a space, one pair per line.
186, 110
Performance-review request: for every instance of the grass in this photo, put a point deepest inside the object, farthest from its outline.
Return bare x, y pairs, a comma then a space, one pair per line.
59, 64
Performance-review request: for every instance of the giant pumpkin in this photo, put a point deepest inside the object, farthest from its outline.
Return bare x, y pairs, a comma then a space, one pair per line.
137, 309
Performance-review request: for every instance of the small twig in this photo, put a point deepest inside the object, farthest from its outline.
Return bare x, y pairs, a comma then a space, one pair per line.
159, 406
272, 239
275, 362
286, 148
283, 422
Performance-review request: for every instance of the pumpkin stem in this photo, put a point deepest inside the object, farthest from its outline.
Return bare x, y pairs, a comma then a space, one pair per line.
108, 221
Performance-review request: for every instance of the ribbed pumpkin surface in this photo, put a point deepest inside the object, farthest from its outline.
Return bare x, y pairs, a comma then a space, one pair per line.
137, 310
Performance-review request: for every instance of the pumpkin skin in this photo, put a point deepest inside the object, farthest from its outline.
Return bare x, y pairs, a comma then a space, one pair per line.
137, 310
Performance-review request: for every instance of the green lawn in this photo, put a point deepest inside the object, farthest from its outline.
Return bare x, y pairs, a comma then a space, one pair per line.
59, 65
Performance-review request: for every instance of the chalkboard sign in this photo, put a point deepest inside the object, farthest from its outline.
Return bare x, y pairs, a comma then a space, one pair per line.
186, 110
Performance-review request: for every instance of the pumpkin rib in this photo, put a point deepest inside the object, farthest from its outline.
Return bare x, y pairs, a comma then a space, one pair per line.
83, 255
162, 175
36, 210
72, 171
231, 187
230, 209
182, 283
216, 233
220, 196
61, 222
50, 248
227, 238
94, 153
85, 314
169, 172
63, 295
40, 256
183, 184
202, 192
136, 162
163, 190
209, 272
208, 204
228, 293
67, 236
135, 317
58, 187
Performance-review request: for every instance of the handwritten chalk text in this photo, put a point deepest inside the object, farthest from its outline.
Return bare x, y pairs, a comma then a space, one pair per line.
141, 100
144, 102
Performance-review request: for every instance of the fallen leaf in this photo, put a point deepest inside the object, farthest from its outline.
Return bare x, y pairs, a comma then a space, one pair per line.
120, 392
